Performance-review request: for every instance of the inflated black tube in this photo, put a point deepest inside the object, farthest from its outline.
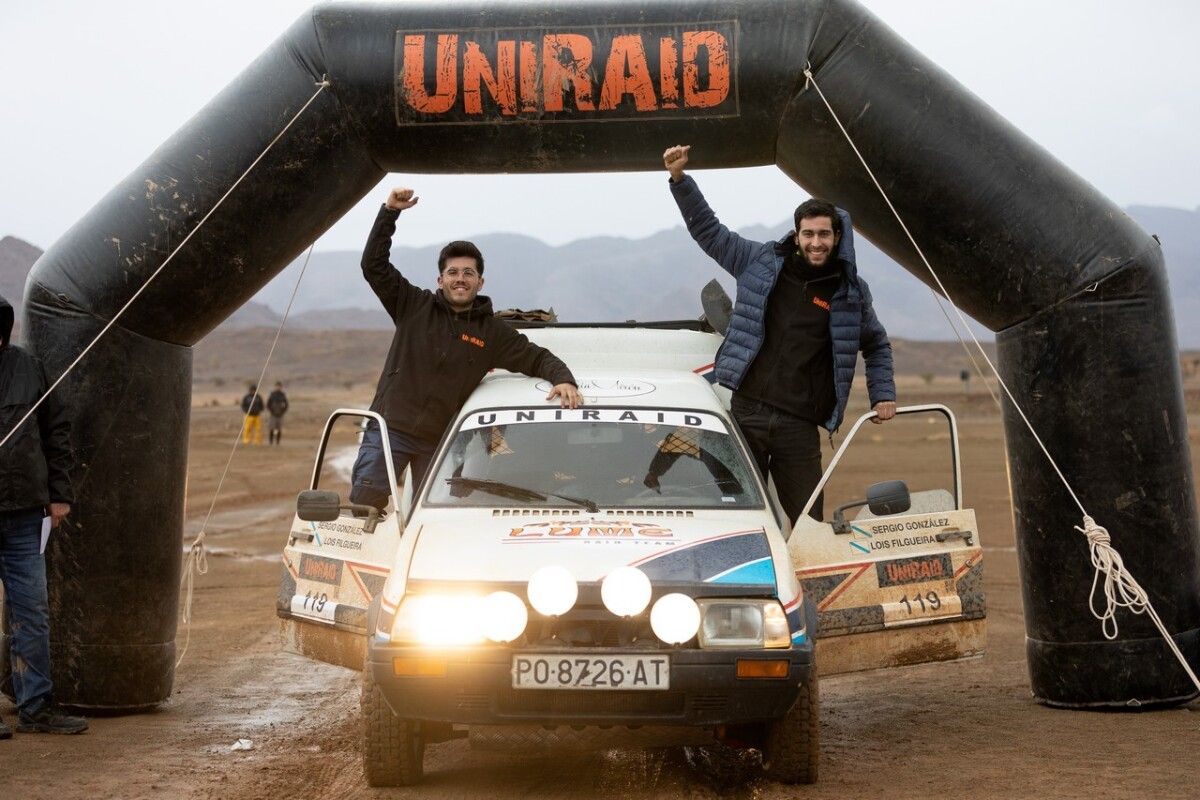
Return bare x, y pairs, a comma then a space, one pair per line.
512, 87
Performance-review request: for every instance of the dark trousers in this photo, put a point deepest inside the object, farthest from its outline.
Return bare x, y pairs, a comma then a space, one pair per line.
786, 447
26, 609
369, 480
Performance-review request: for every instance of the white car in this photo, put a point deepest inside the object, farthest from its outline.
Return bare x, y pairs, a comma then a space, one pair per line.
614, 575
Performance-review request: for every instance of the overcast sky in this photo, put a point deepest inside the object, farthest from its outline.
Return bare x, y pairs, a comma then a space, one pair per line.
1112, 88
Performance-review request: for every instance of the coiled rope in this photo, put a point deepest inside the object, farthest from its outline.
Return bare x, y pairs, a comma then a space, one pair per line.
1121, 589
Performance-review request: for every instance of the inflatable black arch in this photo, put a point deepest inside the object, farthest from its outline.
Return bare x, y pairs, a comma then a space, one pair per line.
1076, 291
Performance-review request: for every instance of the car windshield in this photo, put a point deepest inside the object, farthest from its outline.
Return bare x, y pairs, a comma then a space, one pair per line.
610, 457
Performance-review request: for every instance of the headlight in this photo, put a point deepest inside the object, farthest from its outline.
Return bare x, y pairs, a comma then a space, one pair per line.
675, 618
744, 624
625, 591
504, 616
439, 620
553, 591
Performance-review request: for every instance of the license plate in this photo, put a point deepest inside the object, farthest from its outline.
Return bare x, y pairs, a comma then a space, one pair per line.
591, 672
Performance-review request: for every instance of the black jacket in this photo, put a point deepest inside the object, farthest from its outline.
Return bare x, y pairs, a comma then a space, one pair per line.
252, 404
277, 403
439, 355
35, 463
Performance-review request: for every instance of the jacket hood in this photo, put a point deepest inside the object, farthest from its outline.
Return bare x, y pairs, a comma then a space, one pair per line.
845, 251
6, 321
482, 307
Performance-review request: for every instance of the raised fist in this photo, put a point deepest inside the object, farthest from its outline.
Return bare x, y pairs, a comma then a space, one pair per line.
675, 159
400, 199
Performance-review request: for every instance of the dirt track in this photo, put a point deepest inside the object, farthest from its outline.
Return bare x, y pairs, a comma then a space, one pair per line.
950, 730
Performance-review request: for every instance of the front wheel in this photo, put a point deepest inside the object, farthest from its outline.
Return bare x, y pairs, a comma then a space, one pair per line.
791, 746
393, 748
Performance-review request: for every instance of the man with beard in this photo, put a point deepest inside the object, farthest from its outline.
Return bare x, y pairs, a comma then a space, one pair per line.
445, 342
801, 316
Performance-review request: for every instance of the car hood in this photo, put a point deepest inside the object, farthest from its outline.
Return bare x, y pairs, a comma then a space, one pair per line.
716, 547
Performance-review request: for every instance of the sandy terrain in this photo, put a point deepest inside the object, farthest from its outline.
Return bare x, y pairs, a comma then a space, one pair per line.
966, 729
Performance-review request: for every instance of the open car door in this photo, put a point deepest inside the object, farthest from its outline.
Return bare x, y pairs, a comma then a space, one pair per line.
337, 555
896, 575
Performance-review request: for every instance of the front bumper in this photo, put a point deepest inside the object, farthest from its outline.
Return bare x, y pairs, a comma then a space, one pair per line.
476, 689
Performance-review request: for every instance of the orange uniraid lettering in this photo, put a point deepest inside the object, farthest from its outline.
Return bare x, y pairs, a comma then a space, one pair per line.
668, 63
718, 69
445, 72
501, 85
529, 78
567, 59
627, 73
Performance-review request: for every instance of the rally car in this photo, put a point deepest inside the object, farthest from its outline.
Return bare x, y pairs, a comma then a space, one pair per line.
617, 575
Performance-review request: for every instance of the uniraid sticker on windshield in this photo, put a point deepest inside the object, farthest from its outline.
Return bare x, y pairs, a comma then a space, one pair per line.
627, 416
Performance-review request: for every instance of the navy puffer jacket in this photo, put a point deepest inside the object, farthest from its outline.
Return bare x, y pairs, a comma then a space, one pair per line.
756, 266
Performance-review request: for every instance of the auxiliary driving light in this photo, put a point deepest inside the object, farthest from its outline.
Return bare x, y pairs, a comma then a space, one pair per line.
675, 618
504, 616
553, 591
625, 591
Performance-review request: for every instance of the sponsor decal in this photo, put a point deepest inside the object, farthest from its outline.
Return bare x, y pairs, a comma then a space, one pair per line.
632, 416
591, 73
914, 570
591, 529
621, 387
321, 569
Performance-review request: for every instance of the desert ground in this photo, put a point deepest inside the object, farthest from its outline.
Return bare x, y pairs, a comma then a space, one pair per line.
953, 730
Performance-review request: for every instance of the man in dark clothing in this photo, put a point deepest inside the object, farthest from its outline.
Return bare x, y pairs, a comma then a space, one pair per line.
802, 315
277, 405
252, 408
445, 342
35, 485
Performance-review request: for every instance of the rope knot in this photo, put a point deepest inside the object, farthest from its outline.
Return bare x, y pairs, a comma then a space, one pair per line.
1096, 534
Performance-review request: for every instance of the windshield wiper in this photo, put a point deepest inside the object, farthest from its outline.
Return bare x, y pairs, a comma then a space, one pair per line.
501, 489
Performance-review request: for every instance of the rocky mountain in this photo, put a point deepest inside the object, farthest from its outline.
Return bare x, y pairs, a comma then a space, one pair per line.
611, 278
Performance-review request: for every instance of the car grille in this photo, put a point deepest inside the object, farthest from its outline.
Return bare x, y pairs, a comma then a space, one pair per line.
600, 704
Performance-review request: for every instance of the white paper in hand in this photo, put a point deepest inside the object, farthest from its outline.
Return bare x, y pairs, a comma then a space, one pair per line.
45, 533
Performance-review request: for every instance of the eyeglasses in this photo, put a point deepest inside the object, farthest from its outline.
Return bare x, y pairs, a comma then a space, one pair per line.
455, 272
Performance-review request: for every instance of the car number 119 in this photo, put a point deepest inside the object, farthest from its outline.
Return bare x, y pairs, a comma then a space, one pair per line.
590, 672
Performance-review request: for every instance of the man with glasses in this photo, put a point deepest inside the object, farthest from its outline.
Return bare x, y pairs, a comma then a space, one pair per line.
445, 342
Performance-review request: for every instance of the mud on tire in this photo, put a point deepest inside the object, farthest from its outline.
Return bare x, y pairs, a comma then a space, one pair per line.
791, 745
393, 748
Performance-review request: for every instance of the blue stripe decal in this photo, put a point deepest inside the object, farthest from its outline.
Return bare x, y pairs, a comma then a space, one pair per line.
761, 572
859, 547
800, 637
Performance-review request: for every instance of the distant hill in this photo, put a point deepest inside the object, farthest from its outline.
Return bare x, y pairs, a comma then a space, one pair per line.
612, 278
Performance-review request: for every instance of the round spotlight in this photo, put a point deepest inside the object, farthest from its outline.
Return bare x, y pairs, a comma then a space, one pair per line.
625, 591
553, 591
675, 618
504, 616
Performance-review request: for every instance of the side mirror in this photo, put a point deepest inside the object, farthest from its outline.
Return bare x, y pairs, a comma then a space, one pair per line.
888, 497
718, 308
314, 505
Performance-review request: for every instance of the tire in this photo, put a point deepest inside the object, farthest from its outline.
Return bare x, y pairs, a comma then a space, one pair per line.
791, 748
393, 748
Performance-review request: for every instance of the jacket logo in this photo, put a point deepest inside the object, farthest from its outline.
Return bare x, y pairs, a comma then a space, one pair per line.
475, 340
600, 72
822, 303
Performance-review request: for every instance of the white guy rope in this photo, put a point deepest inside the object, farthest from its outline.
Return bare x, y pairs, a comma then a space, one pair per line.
320, 88
197, 560
1121, 589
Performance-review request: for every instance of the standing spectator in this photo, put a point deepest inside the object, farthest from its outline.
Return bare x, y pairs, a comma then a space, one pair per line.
35, 484
277, 405
252, 407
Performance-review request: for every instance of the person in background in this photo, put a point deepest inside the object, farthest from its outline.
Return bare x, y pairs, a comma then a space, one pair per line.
35, 489
277, 406
252, 408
